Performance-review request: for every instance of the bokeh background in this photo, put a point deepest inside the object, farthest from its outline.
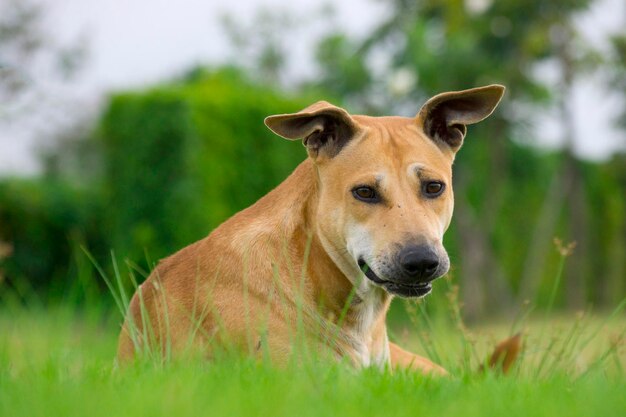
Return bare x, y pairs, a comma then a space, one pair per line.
131, 129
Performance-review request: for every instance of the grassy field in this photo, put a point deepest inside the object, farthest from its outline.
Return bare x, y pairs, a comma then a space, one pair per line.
59, 362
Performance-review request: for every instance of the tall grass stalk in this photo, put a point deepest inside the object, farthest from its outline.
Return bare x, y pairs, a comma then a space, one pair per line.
564, 252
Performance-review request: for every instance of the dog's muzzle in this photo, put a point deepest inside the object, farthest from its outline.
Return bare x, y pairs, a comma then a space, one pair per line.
415, 268
418, 289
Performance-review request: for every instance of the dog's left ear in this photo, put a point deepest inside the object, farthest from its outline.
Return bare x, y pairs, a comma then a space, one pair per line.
323, 128
445, 117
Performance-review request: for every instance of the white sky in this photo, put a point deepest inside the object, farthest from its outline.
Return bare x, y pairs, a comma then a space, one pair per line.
135, 43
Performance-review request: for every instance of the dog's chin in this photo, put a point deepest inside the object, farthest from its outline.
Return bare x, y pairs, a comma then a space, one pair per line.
401, 290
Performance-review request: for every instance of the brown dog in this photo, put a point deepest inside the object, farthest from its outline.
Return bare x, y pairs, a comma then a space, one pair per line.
360, 221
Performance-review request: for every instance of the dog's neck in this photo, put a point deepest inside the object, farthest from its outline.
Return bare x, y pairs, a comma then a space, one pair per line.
293, 209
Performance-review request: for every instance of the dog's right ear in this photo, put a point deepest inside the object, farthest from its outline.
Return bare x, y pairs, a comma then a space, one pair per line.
323, 128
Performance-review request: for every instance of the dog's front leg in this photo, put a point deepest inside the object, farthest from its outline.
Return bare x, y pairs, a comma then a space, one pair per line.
401, 358
502, 358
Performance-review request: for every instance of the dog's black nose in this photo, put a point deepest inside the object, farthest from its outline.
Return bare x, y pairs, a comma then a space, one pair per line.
418, 263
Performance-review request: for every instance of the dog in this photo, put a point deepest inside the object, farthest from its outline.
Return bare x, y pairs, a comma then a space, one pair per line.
359, 222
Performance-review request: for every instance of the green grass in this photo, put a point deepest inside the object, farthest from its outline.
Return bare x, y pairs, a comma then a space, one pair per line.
60, 362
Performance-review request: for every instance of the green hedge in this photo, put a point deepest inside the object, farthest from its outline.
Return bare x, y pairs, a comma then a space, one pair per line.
179, 159
45, 222
182, 158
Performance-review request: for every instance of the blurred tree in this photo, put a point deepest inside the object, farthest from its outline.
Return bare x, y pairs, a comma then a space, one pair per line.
260, 47
618, 64
72, 154
342, 71
572, 59
25, 47
615, 286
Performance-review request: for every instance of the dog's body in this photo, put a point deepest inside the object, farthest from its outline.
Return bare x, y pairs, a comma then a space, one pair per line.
362, 219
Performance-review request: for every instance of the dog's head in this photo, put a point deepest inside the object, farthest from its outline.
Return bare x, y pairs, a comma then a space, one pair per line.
385, 185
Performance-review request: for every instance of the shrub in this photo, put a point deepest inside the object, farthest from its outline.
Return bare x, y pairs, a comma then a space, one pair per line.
180, 159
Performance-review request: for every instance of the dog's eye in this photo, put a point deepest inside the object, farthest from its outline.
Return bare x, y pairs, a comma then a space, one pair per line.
366, 194
433, 189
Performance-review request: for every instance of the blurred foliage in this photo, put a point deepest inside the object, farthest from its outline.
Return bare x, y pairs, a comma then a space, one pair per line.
182, 158
618, 67
43, 222
345, 76
177, 161
168, 164
28, 48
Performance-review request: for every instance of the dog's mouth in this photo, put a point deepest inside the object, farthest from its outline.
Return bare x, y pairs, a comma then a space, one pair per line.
396, 288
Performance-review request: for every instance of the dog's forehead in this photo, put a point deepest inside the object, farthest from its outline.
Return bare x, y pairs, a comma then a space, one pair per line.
393, 131
386, 121
398, 143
